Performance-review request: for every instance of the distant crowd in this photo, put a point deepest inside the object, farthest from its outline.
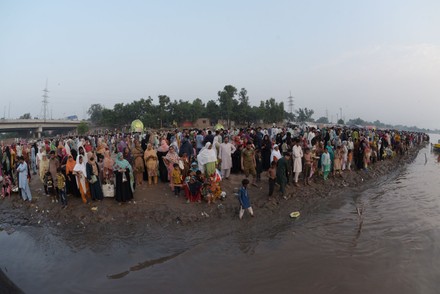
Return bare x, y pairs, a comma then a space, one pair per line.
194, 162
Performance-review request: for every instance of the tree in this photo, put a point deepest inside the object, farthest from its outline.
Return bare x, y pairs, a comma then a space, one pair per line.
164, 107
340, 121
82, 128
304, 114
25, 116
95, 113
226, 100
212, 111
356, 121
197, 109
322, 120
243, 111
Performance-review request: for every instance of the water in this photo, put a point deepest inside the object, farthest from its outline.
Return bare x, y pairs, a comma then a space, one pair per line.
393, 247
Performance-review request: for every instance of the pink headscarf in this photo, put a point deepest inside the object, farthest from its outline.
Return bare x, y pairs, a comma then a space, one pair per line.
163, 146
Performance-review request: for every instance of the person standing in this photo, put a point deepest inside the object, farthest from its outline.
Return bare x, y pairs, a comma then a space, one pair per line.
199, 141
93, 178
54, 164
248, 163
23, 183
61, 185
152, 163
245, 202
225, 156
138, 162
326, 163
297, 154
281, 174
80, 171
124, 179
272, 174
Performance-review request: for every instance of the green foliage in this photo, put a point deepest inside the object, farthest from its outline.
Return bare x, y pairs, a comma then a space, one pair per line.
226, 100
212, 110
95, 113
304, 114
82, 128
322, 120
166, 112
25, 116
340, 121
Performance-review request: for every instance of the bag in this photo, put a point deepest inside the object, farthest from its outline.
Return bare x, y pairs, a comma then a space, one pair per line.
93, 179
108, 190
124, 178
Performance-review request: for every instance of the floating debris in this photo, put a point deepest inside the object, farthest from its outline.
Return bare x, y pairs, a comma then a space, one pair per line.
295, 214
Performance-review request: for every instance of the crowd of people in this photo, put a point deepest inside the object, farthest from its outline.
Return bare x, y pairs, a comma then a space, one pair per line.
194, 162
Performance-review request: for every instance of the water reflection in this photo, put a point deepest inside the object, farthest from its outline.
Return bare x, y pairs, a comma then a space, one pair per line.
382, 239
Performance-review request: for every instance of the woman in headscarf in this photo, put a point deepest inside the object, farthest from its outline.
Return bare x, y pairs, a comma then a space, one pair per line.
127, 155
124, 179
276, 154
152, 163
71, 187
266, 150
170, 159
138, 162
82, 152
207, 159
93, 178
80, 171
108, 165
44, 166
161, 153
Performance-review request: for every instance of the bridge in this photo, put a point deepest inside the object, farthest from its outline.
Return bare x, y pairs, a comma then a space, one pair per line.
36, 126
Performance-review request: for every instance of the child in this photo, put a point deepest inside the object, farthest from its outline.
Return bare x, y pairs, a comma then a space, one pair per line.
200, 177
61, 185
206, 192
243, 197
49, 185
349, 158
307, 165
7, 186
177, 179
192, 189
337, 163
272, 174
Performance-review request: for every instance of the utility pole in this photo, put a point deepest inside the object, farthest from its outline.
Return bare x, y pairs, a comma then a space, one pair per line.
45, 103
340, 109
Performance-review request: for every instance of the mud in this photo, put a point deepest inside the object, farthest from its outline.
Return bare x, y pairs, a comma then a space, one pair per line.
157, 207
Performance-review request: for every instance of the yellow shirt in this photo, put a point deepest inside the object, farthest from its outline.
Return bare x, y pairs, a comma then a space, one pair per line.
177, 176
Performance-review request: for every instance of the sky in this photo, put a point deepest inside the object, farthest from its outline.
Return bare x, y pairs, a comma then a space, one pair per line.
372, 59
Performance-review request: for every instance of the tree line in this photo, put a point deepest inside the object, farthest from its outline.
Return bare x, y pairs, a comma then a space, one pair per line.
231, 105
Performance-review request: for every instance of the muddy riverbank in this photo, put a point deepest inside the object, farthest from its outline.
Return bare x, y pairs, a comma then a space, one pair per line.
156, 206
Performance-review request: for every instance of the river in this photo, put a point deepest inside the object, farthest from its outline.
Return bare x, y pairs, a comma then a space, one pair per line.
391, 246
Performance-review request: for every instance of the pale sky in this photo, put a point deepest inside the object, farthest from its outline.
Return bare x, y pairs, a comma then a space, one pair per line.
374, 59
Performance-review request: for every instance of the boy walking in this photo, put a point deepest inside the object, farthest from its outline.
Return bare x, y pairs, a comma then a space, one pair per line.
243, 197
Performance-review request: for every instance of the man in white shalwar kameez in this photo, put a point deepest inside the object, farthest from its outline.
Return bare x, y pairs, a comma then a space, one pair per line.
225, 155
297, 154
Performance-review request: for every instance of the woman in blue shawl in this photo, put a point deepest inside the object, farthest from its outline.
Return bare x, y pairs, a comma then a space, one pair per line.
124, 179
329, 148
